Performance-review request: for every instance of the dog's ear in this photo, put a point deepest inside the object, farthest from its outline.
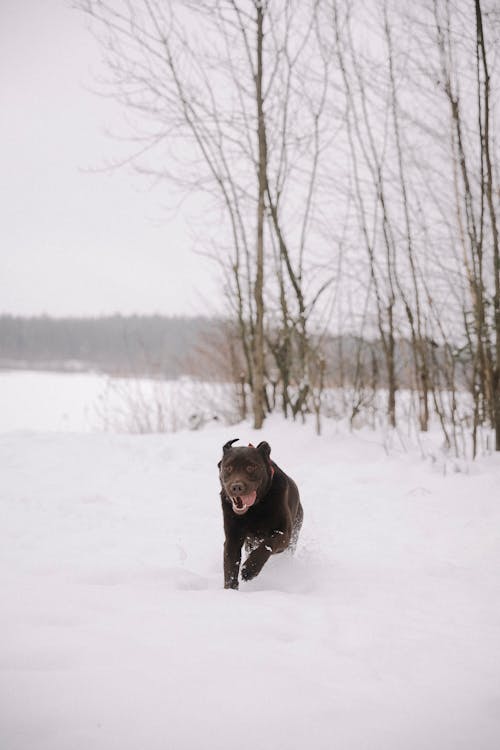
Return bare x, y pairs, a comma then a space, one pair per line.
264, 449
228, 445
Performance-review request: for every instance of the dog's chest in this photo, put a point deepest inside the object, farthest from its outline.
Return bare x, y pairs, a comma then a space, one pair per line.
263, 519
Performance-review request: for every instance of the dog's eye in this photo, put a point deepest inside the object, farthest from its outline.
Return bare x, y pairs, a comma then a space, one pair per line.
251, 468
228, 469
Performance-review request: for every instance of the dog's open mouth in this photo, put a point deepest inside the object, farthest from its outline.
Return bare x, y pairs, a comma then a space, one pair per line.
241, 503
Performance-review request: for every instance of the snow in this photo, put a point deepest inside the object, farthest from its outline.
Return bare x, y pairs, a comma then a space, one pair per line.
89, 402
49, 401
383, 632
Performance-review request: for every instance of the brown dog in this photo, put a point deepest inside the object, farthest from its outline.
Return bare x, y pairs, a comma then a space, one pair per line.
261, 508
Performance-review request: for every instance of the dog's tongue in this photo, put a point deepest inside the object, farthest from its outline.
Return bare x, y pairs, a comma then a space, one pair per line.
249, 500
243, 502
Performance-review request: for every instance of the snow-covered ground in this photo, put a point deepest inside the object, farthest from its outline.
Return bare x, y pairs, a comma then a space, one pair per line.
382, 633
49, 401
90, 402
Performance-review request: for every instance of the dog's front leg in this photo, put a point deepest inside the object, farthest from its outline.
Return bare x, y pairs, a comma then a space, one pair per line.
256, 561
232, 560
276, 542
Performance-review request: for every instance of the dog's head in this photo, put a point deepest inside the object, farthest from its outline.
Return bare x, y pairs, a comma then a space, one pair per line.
245, 474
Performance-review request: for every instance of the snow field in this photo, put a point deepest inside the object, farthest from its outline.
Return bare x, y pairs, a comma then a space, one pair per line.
382, 632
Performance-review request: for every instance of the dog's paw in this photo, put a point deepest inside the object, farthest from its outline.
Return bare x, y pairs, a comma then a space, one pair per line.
247, 573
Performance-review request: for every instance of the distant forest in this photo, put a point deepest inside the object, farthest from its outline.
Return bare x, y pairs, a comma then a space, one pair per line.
119, 345
168, 347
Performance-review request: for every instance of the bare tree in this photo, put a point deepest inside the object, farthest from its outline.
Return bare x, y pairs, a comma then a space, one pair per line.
218, 89
333, 140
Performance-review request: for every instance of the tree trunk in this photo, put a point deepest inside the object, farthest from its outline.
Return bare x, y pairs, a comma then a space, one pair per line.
258, 378
488, 189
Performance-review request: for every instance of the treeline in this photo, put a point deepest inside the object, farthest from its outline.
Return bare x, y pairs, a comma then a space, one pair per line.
125, 345
168, 347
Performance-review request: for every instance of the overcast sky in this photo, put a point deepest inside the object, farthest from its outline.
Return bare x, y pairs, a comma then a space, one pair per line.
74, 242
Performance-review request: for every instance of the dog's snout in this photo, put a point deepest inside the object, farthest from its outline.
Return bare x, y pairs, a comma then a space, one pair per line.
237, 488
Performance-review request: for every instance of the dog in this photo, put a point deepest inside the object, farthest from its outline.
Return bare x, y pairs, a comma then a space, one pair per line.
261, 508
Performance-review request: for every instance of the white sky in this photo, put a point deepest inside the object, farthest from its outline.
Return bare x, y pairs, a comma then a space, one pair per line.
74, 242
